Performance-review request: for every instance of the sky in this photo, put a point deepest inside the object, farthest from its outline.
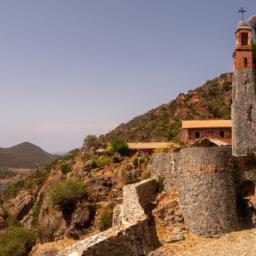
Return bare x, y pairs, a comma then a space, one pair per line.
69, 68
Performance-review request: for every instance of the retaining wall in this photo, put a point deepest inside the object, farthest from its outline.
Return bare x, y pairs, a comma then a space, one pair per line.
132, 233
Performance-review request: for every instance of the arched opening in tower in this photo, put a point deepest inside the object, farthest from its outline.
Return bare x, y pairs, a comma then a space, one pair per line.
247, 188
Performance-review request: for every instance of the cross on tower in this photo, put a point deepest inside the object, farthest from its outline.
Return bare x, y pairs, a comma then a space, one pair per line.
242, 11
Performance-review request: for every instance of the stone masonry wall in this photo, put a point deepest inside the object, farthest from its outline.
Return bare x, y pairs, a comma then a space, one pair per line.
162, 166
132, 233
244, 113
207, 191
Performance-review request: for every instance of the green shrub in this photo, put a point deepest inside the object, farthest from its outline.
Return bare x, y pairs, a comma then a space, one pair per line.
65, 168
99, 162
92, 164
160, 185
103, 161
91, 141
65, 193
16, 241
106, 219
119, 146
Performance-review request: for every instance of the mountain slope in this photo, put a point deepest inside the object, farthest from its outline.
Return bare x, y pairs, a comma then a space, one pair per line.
212, 100
24, 155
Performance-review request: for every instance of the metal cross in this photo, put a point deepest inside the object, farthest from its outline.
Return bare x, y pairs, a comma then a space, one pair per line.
242, 11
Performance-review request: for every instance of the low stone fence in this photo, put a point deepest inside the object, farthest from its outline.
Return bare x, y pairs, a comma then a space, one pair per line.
132, 233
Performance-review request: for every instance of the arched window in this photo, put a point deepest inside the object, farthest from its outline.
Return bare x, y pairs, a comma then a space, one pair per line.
197, 135
222, 134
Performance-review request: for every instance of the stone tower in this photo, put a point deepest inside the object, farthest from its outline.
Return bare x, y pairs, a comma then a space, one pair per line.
244, 93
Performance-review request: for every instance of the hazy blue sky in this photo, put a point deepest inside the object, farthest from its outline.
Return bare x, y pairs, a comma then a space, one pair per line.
73, 67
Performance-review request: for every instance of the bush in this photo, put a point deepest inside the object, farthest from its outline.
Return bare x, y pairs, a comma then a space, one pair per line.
160, 185
16, 241
65, 193
119, 146
103, 161
65, 168
99, 162
106, 219
91, 141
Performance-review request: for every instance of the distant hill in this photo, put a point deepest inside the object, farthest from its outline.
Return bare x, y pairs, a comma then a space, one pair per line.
25, 155
211, 100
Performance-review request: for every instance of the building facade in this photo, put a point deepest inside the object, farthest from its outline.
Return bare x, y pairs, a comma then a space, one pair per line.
193, 130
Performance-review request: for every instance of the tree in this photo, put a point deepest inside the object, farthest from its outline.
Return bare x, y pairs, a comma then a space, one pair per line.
91, 141
119, 146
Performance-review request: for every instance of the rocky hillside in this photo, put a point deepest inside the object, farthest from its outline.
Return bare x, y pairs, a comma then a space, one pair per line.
212, 100
24, 155
74, 196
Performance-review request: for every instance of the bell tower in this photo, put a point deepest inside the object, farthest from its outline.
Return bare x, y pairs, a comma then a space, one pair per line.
244, 93
243, 55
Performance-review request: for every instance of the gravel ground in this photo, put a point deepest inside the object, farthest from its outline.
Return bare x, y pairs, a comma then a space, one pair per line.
240, 243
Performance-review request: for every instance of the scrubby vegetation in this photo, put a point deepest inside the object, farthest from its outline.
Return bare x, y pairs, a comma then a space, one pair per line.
160, 185
65, 168
16, 241
64, 193
106, 219
99, 162
92, 141
119, 146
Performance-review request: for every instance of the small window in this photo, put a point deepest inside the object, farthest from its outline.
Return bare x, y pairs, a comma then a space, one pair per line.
245, 62
222, 134
244, 38
197, 135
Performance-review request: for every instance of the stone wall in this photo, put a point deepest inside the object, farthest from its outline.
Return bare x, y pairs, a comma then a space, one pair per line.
244, 113
207, 191
132, 233
162, 166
